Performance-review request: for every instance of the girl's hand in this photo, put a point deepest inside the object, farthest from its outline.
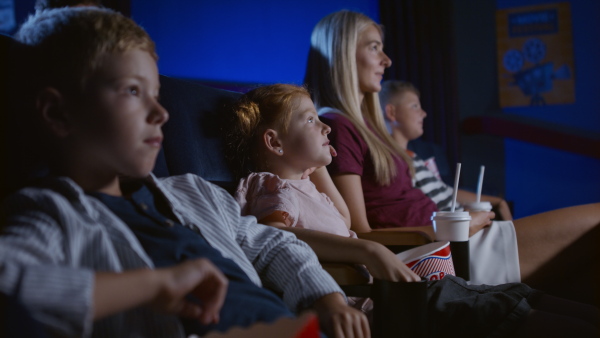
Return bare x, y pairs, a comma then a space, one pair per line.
384, 264
480, 220
332, 151
308, 171
312, 170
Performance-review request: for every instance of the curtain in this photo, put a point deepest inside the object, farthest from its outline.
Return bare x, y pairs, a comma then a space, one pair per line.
419, 41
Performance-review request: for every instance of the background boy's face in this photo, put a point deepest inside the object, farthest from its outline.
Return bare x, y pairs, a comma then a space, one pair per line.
409, 115
116, 127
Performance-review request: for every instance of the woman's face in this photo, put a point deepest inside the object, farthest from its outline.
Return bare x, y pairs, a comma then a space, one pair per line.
371, 61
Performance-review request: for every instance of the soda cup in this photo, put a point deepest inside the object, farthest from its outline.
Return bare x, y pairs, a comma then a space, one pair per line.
454, 227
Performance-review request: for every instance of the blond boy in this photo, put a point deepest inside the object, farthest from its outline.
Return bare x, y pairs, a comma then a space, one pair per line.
86, 245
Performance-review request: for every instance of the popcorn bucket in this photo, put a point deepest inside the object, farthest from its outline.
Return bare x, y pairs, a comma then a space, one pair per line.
432, 261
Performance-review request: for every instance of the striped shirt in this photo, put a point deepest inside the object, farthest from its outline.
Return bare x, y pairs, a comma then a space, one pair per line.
57, 236
431, 185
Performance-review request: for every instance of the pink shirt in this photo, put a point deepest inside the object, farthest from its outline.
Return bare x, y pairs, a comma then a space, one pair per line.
261, 194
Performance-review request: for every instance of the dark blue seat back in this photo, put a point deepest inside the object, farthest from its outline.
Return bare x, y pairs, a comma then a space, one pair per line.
194, 135
20, 152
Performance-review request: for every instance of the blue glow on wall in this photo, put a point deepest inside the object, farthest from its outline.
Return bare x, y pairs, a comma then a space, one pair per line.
237, 41
540, 179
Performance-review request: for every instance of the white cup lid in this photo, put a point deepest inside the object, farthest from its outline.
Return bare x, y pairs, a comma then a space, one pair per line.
449, 215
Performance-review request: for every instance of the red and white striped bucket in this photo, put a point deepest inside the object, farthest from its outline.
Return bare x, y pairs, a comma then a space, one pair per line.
432, 261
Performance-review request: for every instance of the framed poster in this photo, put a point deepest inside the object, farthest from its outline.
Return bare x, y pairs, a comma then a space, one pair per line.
535, 55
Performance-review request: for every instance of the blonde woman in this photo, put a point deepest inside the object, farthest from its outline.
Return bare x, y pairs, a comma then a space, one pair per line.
374, 175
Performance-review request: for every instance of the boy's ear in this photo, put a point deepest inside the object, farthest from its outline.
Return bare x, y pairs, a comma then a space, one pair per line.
272, 141
390, 112
50, 106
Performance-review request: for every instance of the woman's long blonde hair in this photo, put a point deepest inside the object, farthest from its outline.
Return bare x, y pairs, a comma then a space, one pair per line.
332, 78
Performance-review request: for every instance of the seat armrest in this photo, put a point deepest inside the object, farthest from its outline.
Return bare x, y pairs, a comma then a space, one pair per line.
350, 275
345, 274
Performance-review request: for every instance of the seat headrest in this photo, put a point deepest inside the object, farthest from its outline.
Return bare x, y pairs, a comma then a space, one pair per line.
20, 163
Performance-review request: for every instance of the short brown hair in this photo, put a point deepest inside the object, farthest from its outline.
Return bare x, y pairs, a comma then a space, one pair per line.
392, 88
45, 4
68, 42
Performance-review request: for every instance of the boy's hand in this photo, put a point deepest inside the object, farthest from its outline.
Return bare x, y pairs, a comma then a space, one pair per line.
503, 210
480, 220
198, 277
384, 264
312, 170
339, 320
499, 205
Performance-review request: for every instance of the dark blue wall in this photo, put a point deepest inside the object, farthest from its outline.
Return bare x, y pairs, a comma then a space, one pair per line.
23, 8
232, 40
267, 41
539, 178
237, 41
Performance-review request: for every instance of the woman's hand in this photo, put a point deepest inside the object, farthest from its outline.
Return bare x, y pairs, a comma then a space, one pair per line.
499, 205
480, 220
339, 320
384, 264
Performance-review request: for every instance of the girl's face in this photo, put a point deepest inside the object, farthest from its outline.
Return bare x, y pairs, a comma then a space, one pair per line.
371, 61
305, 145
409, 115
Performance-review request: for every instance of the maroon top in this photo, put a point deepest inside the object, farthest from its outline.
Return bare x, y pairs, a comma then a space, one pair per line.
396, 205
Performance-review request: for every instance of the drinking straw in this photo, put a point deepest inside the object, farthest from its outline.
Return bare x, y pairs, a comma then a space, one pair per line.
480, 183
455, 186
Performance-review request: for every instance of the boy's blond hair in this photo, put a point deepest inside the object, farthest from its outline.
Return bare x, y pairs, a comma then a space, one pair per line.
392, 89
391, 92
45, 4
256, 111
68, 43
332, 78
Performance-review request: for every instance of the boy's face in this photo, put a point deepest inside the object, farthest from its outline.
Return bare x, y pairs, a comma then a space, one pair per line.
409, 115
116, 127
